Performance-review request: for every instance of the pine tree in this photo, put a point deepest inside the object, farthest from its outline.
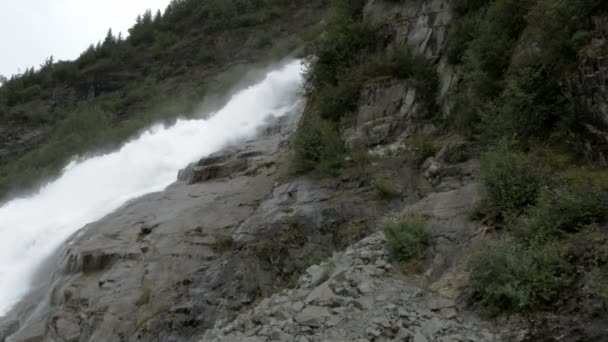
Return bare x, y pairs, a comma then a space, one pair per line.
110, 40
48, 63
147, 18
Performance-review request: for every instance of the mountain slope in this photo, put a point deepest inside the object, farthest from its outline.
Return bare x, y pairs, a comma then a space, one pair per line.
472, 134
166, 66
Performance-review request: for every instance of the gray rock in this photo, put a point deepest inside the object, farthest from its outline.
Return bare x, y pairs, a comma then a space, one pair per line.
321, 294
382, 321
70, 331
402, 312
364, 303
365, 287
253, 339
449, 313
381, 264
432, 327
372, 332
435, 304
312, 316
297, 306
403, 335
334, 320
316, 274
375, 317
418, 337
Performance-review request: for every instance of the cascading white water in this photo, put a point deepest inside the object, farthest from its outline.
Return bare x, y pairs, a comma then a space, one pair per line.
32, 228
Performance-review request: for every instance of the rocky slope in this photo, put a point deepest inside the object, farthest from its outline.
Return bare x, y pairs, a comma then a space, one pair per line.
354, 296
240, 250
168, 266
160, 71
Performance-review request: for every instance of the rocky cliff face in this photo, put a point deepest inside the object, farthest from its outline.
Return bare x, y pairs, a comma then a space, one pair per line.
234, 229
392, 107
237, 250
168, 265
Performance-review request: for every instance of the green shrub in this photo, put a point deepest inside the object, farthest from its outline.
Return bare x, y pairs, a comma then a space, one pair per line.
530, 106
498, 276
517, 92
317, 144
485, 61
223, 243
564, 209
406, 237
462, 32
65, 72
385, 188
511, 181
334, 79
403, 64
507, 278
458, 155
333, 101
422, 147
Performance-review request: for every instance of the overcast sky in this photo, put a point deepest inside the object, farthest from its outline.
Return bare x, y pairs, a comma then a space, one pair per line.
32, 30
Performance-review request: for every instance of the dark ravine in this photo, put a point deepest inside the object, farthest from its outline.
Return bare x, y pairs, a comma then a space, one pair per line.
240, 249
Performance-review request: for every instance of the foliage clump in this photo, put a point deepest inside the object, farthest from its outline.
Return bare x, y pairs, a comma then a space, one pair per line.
317, 145
569, 207
547, 221
385, 188
508, 278
406, 238
511, 181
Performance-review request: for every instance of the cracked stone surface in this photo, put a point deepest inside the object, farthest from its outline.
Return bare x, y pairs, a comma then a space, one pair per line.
361, 299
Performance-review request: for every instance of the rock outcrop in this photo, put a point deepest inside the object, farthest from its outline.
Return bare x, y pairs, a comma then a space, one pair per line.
354, 296
390, 108
166, 266
234, 229
239, 250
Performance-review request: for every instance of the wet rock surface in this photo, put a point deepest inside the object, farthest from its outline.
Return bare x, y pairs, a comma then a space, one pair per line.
166, 266
238, 251
153, 257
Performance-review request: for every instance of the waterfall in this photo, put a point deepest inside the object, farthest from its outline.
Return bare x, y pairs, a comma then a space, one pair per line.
32, 228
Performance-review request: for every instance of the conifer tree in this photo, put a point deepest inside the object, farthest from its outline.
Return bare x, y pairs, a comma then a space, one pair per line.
48, 63
109, 40
147, 18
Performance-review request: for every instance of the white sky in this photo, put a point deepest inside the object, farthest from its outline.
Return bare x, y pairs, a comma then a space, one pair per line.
32, 30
